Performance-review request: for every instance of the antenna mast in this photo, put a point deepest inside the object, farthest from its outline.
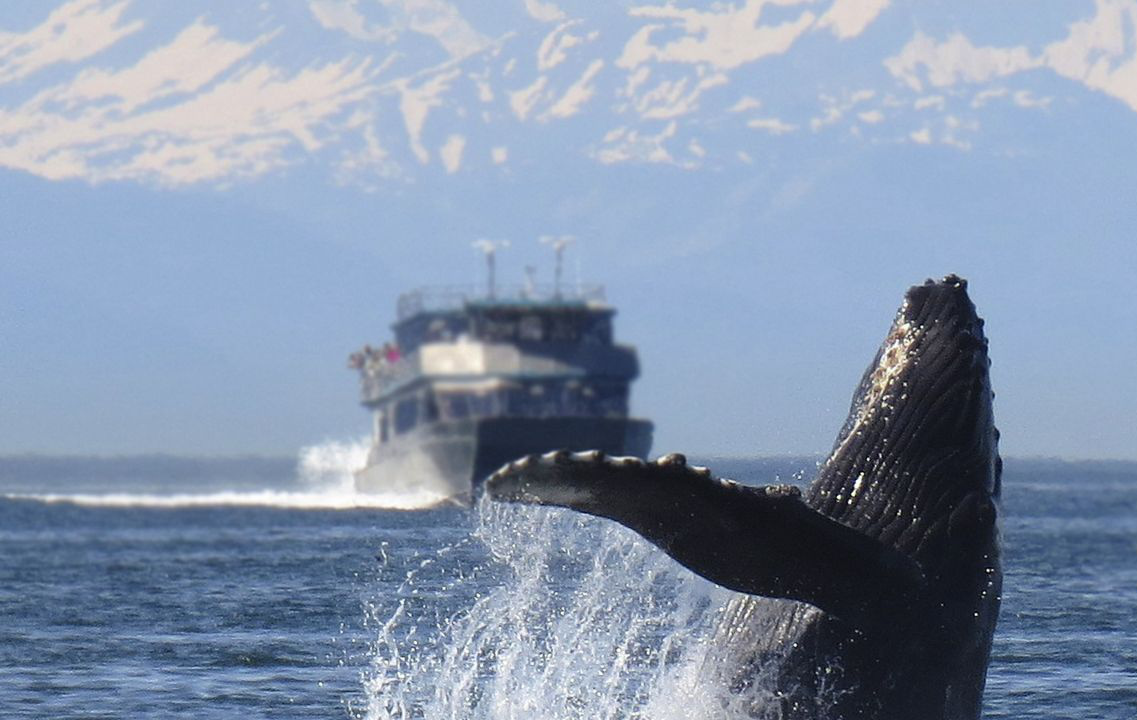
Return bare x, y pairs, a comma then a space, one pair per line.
558, 243
490, 248
530, 291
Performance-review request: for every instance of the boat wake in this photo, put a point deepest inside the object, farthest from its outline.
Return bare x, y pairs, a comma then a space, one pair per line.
322, 480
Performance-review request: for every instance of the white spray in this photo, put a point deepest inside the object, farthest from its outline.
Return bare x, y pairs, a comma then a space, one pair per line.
587, 621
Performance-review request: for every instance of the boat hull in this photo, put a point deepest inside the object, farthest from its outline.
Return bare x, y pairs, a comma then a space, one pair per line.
451, 459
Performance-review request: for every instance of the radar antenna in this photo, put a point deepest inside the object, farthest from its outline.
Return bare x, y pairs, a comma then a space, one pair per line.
558, 243
490, 248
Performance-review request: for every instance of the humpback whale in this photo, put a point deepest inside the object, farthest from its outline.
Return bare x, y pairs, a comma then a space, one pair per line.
874, 592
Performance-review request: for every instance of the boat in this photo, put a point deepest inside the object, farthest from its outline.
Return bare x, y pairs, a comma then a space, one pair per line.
473, 380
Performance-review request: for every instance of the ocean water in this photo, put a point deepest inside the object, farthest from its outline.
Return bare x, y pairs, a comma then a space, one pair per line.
179, 588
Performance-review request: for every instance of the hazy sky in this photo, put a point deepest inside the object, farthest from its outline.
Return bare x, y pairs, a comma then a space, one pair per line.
206, 209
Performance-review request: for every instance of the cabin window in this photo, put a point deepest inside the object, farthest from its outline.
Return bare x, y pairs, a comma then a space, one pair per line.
499, 329
455, 406
564, 329
531, 328
598, 330
612, 401
480, 405
430, 407
406, 415
438, 329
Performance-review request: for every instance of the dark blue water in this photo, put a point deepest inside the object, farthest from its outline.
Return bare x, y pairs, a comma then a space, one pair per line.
238, 599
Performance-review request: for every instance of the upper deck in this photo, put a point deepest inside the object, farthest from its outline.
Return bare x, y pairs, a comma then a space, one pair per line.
456, 334
513, 315
455, 297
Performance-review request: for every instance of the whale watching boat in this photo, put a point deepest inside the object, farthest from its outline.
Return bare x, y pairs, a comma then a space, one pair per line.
473, 380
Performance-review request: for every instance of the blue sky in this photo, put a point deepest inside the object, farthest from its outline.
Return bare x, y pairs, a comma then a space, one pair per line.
208, 208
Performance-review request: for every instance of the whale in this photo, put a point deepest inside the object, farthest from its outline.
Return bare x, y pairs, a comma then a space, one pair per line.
875, 591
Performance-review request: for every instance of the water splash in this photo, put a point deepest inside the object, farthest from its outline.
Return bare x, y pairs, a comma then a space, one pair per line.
584, 620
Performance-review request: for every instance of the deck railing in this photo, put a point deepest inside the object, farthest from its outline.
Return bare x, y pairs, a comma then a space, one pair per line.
453, 297
377, 379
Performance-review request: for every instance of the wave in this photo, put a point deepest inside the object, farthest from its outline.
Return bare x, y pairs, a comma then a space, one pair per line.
322, 480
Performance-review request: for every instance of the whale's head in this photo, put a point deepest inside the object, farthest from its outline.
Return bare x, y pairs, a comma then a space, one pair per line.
917, 467
920, 443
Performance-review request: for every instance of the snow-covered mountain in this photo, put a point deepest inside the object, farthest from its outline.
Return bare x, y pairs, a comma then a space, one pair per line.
380, 91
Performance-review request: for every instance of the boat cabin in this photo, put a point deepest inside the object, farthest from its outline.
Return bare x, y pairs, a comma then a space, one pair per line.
457, 357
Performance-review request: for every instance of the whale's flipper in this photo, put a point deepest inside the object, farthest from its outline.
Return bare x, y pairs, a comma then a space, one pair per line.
756, 540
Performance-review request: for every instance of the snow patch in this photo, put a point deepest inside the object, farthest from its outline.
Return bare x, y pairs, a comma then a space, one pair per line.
724, 37
848, 18
451, 153
73, 32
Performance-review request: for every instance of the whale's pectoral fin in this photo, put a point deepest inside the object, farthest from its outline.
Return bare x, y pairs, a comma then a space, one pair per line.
756, 540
